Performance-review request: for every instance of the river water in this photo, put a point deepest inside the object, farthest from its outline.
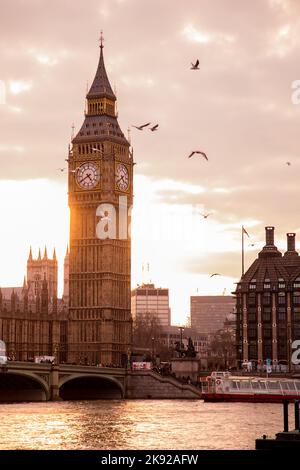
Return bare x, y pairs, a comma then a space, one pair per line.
137, 424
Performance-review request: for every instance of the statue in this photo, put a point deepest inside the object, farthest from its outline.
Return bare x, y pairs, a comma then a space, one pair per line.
190, 352
179, 348
182, 352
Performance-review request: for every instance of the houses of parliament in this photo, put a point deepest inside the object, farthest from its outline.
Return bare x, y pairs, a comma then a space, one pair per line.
91, 323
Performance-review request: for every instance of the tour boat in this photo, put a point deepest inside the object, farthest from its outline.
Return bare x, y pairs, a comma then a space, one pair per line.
226, 387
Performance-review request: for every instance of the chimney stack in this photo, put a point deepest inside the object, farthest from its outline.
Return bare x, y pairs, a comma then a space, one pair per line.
269, 250
269, 236
291, 245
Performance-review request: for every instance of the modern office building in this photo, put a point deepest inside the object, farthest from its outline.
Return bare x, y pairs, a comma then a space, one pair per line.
268, 306
209, 312
150, 301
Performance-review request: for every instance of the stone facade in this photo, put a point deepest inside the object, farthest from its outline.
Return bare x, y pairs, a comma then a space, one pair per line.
147, 384
100, 195
33, 321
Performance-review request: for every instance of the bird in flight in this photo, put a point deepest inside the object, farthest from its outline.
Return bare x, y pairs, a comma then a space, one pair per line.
251, 244
205, 215
61, 169
215, 274
140, 128
288, 163
195, 66
154, 128
199, 152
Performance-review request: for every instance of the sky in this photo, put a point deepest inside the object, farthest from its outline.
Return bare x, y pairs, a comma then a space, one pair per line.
238, 108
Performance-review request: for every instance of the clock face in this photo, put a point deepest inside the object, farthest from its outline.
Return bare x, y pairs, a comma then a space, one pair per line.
122, 177
88, 175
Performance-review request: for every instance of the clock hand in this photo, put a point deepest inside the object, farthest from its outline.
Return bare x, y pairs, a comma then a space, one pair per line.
87, 176
121, 178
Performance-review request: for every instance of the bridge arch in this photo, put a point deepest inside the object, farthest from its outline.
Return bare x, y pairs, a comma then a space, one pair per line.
22, 386
90, 386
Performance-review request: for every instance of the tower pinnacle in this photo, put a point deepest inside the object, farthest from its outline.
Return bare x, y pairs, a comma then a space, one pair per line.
101, 40
101, 87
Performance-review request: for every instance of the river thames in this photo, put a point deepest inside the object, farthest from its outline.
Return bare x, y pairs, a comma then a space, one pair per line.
137, 424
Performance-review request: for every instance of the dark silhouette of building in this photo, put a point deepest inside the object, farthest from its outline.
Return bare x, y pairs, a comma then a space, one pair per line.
268, 305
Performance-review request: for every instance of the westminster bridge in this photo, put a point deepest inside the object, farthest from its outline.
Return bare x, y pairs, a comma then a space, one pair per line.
28, 381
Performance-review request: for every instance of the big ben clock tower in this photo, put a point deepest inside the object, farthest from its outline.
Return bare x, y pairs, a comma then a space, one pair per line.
100, 198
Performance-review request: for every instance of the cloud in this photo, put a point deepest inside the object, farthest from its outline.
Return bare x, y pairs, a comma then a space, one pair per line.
237, 107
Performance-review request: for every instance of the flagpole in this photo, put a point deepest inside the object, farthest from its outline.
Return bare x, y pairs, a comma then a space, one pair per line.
243, 252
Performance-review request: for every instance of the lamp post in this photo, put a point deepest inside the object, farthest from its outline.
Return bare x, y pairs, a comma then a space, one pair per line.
152, 339
181, 329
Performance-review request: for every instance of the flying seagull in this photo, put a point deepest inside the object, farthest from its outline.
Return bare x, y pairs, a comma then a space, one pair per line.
205, 216
61, 169
215, 274
140, 128
288, 163
195, 66
199, 152
154, 128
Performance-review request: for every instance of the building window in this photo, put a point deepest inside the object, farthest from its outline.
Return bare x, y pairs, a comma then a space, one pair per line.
252, 332
281, 316
252, 317
267, 298
252, 299
281, 298
252, 351
296, 298
266, 315
267, 331
296, 314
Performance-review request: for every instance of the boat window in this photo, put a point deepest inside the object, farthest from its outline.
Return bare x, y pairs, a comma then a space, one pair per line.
291, 386
285, 385
297, 384
245, 384
262, 385
255, 385
273, 385
235, 384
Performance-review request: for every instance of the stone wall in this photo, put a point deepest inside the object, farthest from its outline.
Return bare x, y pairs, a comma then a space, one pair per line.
148, 384
186, 367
